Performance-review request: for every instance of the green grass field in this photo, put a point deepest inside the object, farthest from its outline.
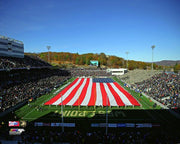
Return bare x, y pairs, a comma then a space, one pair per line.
36, 109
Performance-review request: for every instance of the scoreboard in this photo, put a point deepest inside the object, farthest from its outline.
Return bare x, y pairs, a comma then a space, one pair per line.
94, 63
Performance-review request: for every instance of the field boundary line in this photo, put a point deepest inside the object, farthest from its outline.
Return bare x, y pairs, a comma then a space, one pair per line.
163, 106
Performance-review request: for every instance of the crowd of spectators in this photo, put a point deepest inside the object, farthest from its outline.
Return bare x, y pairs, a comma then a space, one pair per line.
77, 137
127, 136
163, 87
89, 72
7, 63
21, 85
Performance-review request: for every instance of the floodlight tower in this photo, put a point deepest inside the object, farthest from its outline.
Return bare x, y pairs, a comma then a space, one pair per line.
153, 46
127, 60
48, 47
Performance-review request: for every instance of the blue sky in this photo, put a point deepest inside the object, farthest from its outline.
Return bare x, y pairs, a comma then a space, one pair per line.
94, 26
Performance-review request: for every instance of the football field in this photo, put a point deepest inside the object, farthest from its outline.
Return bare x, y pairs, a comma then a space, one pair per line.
36, 109
93, 92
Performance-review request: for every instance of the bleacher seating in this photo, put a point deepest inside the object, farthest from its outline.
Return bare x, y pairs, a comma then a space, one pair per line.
7, 63
20, 85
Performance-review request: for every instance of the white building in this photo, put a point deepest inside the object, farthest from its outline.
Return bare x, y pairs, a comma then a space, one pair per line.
11, 47
119, 71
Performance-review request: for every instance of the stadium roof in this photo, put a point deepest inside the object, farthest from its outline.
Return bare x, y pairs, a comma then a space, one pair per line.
11, 39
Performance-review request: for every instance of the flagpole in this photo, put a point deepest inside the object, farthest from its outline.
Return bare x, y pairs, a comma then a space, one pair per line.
62, 114
106, 116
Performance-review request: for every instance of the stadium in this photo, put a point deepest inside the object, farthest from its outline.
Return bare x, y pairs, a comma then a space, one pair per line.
36, 96
83, 72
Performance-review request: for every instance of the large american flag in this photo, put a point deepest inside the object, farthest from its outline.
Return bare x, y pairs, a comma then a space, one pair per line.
93, 91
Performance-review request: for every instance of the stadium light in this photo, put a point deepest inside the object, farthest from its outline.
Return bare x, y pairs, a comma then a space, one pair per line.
48, 47
153, 46
127, 60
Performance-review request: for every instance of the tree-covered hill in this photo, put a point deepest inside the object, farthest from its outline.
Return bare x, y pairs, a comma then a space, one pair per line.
109, 61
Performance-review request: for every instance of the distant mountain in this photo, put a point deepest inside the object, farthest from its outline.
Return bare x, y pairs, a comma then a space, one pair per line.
167, 62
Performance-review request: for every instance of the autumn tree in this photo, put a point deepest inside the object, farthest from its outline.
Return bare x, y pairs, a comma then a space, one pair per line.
176, 68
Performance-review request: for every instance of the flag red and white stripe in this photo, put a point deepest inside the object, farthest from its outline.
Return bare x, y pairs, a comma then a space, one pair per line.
85, 92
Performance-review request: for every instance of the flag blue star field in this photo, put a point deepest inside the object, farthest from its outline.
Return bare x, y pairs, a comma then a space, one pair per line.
93, 91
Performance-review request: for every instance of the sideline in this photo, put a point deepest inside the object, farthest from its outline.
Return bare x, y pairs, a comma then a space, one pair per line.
61, 88
58, 90
158, 103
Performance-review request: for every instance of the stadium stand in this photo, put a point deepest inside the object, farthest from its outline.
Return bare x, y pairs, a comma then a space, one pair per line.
163, 87
21, 85
88, 72
128, 136
23, 78
138, 75
7, 63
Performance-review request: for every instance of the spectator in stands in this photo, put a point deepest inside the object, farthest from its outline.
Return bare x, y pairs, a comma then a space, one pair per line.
26, 62
163, 87
89, 72
126, 137
24, 85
